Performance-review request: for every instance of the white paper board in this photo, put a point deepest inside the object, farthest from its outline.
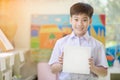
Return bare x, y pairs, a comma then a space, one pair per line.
75, 59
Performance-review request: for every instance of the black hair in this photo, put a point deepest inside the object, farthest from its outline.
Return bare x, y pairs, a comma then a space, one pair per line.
81, 8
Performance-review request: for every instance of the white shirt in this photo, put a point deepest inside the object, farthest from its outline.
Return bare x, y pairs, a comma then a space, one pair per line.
98, 54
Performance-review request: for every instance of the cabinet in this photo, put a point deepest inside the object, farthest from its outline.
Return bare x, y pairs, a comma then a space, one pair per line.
17, 65
6, 66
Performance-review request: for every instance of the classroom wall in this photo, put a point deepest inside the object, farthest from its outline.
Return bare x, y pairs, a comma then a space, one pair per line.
22, 10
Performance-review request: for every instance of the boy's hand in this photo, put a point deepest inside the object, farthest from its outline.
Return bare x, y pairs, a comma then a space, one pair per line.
57, 67
98, 70
92, 65
61, 59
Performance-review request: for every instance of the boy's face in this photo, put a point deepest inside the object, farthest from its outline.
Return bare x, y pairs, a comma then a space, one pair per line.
80, 24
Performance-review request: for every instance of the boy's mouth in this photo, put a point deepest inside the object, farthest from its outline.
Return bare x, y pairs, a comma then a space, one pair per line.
80, 29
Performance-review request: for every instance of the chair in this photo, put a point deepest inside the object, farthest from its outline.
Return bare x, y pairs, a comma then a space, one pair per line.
44, 72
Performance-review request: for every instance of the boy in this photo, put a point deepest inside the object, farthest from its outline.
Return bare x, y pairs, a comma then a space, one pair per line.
81, 18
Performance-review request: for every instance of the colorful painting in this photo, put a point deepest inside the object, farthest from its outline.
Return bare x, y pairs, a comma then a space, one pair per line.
113, 53
46, 29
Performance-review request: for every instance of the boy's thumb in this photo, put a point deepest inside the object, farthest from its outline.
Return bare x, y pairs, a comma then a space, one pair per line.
62, 54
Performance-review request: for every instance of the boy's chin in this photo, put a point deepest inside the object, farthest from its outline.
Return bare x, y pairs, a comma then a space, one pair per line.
81, 34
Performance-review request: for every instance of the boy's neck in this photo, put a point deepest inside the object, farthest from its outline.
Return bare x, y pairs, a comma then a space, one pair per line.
80, 35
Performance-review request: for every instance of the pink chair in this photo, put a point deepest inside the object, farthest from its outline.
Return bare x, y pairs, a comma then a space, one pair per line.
44, 72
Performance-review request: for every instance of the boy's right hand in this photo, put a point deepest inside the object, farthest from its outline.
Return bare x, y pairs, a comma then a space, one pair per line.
57, 67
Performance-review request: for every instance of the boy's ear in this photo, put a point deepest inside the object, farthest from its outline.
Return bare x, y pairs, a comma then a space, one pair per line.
90, 20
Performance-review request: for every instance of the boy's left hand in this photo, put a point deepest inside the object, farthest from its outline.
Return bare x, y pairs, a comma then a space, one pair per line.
91, 63
98, 70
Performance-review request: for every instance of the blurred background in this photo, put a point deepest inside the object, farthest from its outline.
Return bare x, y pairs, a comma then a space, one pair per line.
16, 19
21, 11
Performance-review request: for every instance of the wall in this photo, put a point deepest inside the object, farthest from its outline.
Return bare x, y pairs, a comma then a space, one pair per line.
21, 10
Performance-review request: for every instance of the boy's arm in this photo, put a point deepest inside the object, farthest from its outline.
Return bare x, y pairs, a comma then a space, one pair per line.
99, 67
57, 67
53, 62
98, 70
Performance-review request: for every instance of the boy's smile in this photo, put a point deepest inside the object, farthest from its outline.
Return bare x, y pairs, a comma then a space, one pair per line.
80, 23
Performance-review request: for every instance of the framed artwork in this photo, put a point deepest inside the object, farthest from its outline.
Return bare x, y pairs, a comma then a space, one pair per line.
46, 29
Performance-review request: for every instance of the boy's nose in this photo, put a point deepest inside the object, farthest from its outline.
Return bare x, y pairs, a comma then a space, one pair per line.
79, 22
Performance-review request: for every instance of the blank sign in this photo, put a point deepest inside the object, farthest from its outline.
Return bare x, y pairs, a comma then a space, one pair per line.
75, 59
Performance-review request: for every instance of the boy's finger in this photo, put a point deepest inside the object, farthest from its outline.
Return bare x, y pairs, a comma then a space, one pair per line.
62, 54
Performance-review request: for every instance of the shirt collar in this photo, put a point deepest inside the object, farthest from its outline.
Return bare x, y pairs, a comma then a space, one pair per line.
86, 36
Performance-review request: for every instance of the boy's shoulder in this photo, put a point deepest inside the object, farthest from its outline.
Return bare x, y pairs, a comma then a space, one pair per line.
96, 41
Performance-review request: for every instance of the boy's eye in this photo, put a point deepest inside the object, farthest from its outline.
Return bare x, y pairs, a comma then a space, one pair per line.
84, 20
76, 19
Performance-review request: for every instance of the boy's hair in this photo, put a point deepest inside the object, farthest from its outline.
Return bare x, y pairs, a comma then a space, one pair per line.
81, 8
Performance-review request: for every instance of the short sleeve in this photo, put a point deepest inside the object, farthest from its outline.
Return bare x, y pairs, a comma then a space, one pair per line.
55, 54
101, 57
